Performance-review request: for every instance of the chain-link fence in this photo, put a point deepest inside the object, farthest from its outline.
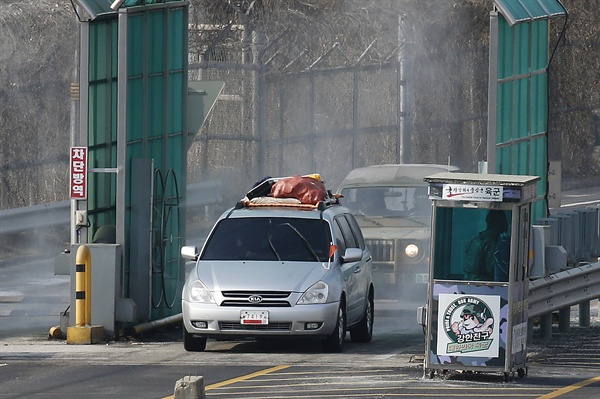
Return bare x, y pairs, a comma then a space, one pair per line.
318, 120
297, 102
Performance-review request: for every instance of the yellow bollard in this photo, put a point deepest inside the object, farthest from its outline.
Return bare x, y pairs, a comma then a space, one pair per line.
83, 332
82, 294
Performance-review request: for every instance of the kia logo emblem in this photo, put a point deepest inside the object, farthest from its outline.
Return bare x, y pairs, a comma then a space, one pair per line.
255, 299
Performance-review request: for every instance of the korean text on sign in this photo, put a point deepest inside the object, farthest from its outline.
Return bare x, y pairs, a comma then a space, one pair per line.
78, 172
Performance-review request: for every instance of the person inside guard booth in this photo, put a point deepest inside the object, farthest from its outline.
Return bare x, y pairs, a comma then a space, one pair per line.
479, 260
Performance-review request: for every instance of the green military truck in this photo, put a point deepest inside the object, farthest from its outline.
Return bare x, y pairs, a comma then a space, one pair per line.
392, 206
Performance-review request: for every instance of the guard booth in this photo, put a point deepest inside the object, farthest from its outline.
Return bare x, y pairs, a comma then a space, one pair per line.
476, 313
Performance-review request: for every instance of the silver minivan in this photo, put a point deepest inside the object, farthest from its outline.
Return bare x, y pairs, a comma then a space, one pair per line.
280, 271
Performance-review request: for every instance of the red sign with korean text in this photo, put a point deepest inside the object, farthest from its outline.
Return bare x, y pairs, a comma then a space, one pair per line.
78, 172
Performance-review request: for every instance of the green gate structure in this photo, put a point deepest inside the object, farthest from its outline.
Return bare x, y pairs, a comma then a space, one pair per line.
518, 91
133, 120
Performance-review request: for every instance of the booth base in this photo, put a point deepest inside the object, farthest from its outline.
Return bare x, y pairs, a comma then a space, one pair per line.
85, 335
520, 370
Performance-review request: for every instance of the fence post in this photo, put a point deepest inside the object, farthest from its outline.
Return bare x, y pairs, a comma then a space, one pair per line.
564, 319
546, 325
584, 314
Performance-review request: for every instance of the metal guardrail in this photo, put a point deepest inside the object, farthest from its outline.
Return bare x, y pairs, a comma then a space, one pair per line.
577, 231
565, 241
34, 217
564, 289
58, 213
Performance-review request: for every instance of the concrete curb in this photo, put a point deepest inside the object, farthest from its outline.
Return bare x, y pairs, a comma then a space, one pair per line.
190, 387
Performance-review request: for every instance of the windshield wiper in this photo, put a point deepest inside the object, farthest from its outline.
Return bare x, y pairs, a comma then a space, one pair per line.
304, 240
270, 237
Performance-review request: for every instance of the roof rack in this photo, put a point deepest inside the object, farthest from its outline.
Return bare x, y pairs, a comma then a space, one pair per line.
259, 196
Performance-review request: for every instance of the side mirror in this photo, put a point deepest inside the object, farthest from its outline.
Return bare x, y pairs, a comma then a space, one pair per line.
352, 255
190, 253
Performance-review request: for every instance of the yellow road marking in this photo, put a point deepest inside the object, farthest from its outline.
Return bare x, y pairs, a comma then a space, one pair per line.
245, 377
238, 379
550, 395
570, 388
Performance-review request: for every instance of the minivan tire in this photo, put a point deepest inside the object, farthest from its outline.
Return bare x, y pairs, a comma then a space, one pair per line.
335, 342
363, 331
192, 343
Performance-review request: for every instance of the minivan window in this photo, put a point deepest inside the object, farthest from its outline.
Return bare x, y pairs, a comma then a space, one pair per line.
356, 231
269, 239
346, 232
339, 238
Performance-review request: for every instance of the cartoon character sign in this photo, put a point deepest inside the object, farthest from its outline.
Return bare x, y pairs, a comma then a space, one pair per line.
469, 325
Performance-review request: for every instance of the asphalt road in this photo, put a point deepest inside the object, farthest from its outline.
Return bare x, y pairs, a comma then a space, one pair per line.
32, 366
568, 366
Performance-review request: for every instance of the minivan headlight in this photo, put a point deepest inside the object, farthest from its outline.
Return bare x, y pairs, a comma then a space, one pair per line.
317, 293
199, 292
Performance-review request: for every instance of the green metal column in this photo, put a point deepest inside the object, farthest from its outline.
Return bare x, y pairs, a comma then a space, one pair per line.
154, 57
101, 124
134, 82
518, 91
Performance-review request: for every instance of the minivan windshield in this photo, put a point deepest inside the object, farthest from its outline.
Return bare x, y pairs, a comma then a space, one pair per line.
269, 239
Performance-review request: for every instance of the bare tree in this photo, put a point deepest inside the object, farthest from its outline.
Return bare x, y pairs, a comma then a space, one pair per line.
37, 44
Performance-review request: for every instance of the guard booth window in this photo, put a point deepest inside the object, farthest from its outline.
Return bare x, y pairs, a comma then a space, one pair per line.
472, 244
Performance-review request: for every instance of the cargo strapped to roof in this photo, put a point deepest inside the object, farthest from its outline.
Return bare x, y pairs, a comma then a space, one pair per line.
277, 202
271, 192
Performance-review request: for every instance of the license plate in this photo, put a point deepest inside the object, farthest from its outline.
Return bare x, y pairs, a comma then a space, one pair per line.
422, 278
254, 317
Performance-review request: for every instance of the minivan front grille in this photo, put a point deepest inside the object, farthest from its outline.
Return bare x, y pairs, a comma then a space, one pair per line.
268, 298
278, 327
264, 304
264, 294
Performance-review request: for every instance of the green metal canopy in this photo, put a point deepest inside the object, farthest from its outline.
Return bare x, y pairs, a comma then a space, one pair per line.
517, 11
96, 8
101, 8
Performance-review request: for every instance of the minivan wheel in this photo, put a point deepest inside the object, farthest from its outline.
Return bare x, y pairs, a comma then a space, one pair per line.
335, 342
363, 332
192, 343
